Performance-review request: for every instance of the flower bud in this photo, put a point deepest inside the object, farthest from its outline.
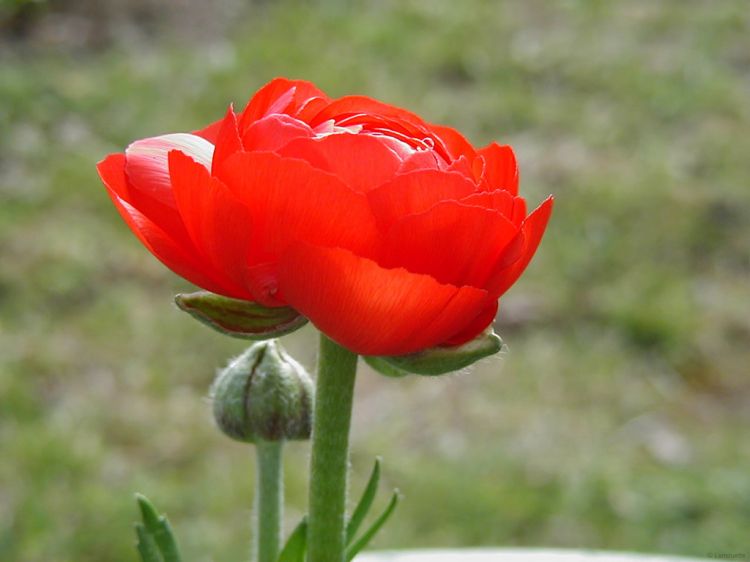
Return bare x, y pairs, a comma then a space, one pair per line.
263, 394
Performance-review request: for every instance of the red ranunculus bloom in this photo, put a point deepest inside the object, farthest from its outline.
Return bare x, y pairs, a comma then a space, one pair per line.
389, 233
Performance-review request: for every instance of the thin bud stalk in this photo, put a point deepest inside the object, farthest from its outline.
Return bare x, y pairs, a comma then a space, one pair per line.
269, 496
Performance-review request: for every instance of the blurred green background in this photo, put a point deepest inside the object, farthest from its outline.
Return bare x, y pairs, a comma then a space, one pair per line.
619, 417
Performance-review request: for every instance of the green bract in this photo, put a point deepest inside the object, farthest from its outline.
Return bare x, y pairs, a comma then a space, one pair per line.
439, 360
238, 318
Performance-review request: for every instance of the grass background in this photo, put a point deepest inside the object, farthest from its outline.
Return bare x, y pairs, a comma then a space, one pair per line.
619, 417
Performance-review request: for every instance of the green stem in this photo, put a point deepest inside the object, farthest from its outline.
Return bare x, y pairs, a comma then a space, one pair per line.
334, 391
269, 493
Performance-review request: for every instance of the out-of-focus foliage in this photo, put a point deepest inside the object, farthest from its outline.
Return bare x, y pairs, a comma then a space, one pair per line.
619, 417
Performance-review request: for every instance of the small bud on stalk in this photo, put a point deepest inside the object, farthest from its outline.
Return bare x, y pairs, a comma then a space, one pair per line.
264, 395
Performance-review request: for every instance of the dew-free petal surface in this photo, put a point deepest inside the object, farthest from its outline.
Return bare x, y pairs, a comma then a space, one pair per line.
146, 162
370, 309
180, 258
532, 229
112, 172
454, 243
280, 95
476, 326
227, 140
454, 142
415, 192
501, 168
288, 199
219, 224
273, 132
362, 162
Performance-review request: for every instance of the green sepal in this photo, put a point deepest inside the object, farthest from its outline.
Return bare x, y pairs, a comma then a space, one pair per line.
296, 545
439, 360
365, 502
353, 549
156, 542
382, 366
238, 318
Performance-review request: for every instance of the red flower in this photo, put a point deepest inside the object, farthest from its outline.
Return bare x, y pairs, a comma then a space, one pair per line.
389, 233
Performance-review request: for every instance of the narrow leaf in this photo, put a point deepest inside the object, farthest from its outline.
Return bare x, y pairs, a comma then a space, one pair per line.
146, 545
296, 544
365, 502
158, 529
367, 536
167, 544
148, 513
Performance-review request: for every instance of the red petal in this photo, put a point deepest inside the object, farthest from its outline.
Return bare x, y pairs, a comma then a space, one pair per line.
304, 93
416, 192
512, 252
462, 166
372, 310
403, 149
477, 168
280, 95
349, 105
362, 162
227, 140
454, 141
263, 283
218, 223
476, 327
454, 243
311, 108
289, 199
421, 160
175, 256
112, 172
519, 210
146, 162
500, 200
379, 117
501, 168
273, 132
210, 132
533, 228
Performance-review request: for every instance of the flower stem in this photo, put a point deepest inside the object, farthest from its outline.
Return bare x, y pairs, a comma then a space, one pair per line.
330, 450
269, 493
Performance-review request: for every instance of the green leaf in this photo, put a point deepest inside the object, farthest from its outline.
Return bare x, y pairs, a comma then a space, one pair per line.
239, 318
365, 502
157, 529
296, 545
146, 545
440, 360
367, 536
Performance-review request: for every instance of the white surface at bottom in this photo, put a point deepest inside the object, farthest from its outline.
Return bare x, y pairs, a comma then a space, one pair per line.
515, 555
